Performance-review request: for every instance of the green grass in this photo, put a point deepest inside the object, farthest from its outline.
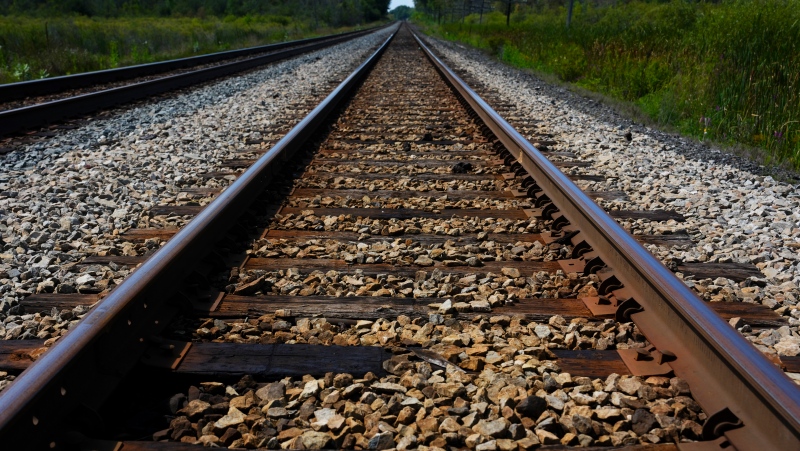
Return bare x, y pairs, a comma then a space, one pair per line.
728, 72
35, 47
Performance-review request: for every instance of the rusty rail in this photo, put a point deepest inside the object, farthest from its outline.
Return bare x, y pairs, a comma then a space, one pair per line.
750, 401
107, 343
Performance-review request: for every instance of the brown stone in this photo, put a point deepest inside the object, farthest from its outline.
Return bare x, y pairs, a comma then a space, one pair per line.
528, 443
243, 402
336, 422
438, 442
316, 440
429, 424
547, 438
250, 441
508, 413
478, 350
504, 444
348, 442
449, 424
290, 433
449, 389
406, 415
569, 439
195, 409
229, 436
181, 427
528, 423
208, 440
472, 364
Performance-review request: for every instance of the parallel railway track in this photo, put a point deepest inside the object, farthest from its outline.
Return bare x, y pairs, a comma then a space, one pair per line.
420, 222
32, 104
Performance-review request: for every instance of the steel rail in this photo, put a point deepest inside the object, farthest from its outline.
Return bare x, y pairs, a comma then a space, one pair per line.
20, 90
12, 121
722, 368
94, 356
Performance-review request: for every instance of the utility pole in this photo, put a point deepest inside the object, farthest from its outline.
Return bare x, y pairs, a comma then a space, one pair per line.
569, 12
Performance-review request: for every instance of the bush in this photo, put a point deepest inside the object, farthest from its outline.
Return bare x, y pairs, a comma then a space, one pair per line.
569, 61
496, 44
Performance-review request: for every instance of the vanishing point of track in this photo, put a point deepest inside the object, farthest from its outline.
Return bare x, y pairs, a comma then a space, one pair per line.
441, 176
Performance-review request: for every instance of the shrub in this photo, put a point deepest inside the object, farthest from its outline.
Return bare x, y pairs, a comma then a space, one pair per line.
569, 62
496, 44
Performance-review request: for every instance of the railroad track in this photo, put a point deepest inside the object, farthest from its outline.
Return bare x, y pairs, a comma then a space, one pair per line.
415, 273
32, 104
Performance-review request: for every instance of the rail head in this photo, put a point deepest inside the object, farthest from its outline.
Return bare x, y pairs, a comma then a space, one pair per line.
723, 369
107, 343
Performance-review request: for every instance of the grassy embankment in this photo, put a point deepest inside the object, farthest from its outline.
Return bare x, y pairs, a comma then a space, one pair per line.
35, 47
728, 72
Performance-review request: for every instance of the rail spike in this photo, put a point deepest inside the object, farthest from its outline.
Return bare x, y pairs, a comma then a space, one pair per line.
626, 309
720, 422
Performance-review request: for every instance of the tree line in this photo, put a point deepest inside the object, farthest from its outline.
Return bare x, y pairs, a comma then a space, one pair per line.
455, 10
330, 12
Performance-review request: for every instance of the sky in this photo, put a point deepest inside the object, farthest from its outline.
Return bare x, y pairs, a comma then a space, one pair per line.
396, 3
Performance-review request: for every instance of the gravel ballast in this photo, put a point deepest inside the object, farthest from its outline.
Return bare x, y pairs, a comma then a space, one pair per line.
466, 369
67, 197
493, 383
486, 377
